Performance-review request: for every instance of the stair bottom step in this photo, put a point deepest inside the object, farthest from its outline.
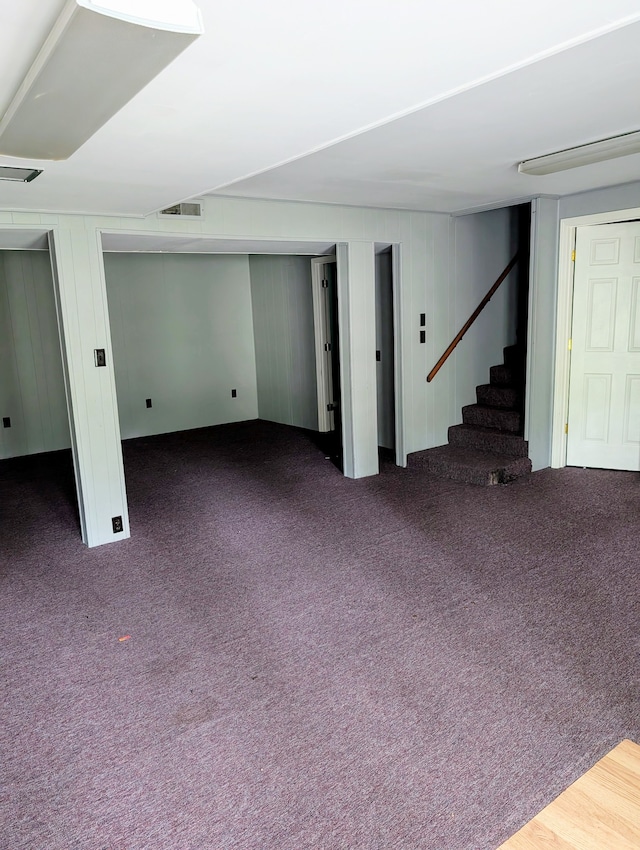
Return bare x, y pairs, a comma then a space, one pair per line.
492, 440
470, 466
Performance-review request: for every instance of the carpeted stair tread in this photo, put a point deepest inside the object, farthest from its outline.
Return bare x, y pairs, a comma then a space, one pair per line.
493, 396
488, 440
471, 466
492, 417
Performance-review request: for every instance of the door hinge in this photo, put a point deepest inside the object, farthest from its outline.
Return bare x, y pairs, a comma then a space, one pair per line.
327, 346
332, 406
325, 284
573, 256
566, 428
570, 345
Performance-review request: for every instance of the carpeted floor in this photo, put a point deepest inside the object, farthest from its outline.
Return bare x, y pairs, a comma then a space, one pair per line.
395, 663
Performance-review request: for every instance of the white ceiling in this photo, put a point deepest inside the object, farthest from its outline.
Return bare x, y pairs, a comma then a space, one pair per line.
401, 103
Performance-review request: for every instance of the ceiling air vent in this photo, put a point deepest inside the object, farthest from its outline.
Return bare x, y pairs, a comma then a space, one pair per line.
19, 175
187, 209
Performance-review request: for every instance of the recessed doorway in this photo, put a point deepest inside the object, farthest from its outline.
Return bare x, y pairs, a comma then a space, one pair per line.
35, 441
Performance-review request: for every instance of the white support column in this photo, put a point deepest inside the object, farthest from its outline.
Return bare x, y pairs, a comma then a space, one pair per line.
81, 301
357, 328
399, 324
543, 274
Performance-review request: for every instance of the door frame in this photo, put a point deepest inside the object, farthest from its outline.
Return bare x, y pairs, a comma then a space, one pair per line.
319, 325
564, 316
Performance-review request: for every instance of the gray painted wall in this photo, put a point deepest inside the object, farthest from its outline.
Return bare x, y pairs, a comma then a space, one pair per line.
32, 391
182, 335
284, 339
601, 200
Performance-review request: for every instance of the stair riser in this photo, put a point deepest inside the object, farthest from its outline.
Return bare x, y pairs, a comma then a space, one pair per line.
501, 376
492, 417
505, 397
503, 444
514, 358
484, 478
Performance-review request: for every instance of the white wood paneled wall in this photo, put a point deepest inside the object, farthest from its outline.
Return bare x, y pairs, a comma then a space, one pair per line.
182, 335
430, 406
282, 303
32, 391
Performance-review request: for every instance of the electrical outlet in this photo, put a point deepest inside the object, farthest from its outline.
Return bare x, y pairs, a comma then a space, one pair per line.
148, 402
6, 422
116, 522
234, 393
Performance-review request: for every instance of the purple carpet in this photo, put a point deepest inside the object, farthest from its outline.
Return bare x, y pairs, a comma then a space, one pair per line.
395, 663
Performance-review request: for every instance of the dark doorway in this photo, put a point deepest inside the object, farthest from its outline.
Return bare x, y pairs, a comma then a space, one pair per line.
333, 438
385, 361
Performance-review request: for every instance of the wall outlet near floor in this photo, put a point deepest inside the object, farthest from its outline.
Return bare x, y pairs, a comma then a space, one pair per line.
6, 422
234, 393
116, 522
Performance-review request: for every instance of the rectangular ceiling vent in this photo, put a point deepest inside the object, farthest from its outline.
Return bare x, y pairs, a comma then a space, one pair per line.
19, 175
186, 209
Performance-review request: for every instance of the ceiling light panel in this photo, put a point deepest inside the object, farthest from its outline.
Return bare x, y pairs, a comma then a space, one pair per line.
97, 57
600, 151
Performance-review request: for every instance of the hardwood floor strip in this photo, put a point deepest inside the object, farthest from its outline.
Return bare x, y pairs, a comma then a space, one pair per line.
600, 810
536, 835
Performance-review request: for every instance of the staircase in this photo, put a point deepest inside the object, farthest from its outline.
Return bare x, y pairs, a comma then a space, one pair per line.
488, 447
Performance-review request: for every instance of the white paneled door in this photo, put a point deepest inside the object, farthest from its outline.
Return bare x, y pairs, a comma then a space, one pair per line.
604, 393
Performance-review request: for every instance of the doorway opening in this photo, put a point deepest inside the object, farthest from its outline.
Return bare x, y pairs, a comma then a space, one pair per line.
385, 354
324, 281
35, 440
206, 339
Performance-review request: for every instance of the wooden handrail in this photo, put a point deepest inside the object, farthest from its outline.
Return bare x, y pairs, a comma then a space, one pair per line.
471, 320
